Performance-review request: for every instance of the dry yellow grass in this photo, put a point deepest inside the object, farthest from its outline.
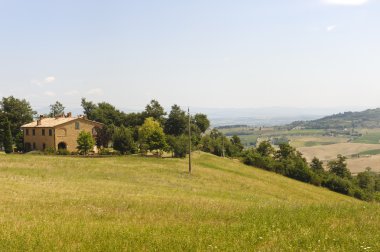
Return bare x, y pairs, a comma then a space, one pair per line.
359, 164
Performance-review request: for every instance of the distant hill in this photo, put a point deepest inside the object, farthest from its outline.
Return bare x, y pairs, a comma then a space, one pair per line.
365, 119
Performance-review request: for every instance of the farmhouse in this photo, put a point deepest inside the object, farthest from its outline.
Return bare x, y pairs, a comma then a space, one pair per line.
59, 132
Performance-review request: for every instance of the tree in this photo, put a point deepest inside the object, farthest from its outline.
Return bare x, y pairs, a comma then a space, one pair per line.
316, 165
103, 112
123, 141
339, 167
104, 135
179, 145
202, 122
265, 149
156, 111
151, 136
17, 112
285, 151
236, 147
88, 108
85, 142
8, 142
177, 122
56, 109
367, 180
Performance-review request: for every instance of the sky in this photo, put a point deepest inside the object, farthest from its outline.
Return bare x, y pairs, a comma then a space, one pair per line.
199, 53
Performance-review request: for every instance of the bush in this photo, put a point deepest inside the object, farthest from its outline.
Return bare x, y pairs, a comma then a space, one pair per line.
338, 184
361, 194
49, 151
108, 152
63, 152
253, 158
178, 145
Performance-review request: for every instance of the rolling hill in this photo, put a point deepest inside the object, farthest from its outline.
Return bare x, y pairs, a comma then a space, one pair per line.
365, 119
50, 203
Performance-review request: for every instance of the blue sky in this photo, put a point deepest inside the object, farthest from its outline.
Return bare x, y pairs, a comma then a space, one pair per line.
206, 53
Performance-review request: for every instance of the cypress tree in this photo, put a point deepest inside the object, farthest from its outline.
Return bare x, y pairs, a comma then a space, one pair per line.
8, 143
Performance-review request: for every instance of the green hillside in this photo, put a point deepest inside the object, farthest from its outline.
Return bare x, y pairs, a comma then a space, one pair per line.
365, 119
133, 204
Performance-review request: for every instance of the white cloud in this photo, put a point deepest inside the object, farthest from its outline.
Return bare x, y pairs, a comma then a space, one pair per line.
49, 79
330, 28
95, 91
49, 93
72, 93
346, 2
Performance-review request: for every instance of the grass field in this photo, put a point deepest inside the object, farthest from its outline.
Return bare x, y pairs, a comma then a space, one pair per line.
369, 137
147, 204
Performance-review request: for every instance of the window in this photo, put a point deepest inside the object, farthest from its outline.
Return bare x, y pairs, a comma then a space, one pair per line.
27, 132
43, 132
34, 146
77, 125
50, 132
43, 146
33, 132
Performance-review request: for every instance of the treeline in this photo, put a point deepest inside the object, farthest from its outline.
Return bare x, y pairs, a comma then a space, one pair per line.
152, 130
289, 162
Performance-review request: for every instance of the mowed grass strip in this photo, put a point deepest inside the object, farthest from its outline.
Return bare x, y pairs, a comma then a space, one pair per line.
148, 204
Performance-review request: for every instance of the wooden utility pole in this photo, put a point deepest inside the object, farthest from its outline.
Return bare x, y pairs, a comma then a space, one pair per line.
223, 145
188, 112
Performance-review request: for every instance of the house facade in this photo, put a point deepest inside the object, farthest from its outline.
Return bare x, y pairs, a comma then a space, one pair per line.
57, 132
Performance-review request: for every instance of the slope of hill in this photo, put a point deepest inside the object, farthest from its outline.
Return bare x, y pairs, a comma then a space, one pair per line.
365, 119
133, 203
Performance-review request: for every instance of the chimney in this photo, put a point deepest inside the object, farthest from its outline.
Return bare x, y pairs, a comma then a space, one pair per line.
39, 121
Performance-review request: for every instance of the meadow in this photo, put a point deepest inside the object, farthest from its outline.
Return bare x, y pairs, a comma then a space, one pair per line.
50, 203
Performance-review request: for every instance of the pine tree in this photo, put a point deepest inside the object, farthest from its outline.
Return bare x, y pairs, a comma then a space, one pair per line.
8, 143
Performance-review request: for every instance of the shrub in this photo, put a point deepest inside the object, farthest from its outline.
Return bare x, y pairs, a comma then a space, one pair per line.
361, 194
178, 145
49, 151
337, 184
63, 152
108, 151
85, 142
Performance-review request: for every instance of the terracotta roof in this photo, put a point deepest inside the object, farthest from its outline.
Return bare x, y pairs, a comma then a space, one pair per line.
51, 122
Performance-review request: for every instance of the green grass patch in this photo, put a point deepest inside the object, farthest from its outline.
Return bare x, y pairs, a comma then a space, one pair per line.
50, 203
314, 143
370, 152
370, 138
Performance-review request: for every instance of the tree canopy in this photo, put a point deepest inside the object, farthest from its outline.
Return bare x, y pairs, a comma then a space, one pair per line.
56, 109
17, 112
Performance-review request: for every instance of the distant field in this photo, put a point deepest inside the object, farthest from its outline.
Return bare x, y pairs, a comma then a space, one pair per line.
310, 141
370, 152
149, 204
370, 138
359, 164
328, 152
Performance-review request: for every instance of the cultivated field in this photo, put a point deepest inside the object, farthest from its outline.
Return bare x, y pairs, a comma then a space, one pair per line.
359, 164
133, 204
328, 152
